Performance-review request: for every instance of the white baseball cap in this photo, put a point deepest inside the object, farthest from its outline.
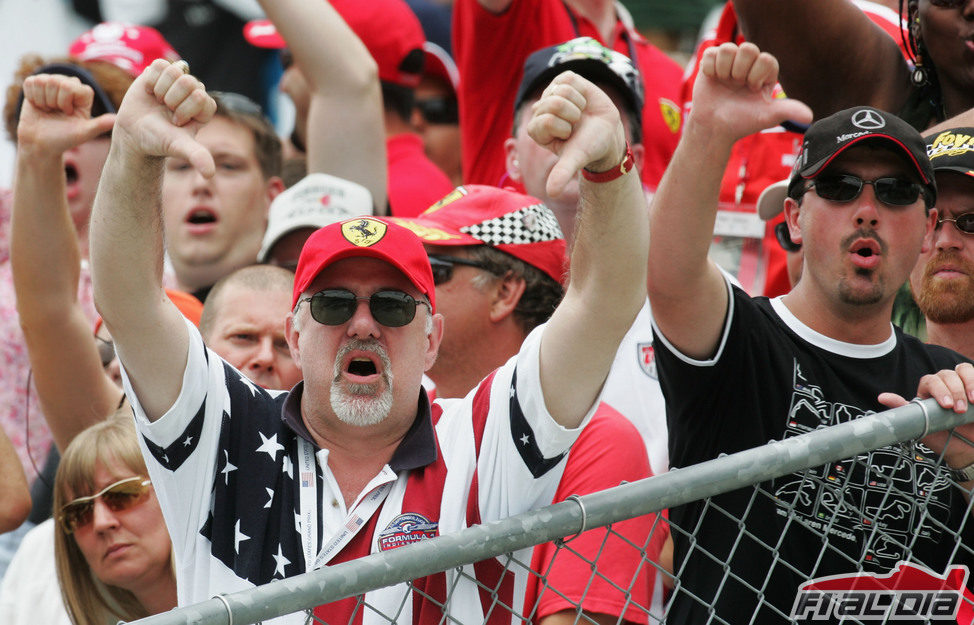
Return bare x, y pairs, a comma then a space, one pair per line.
317, 200
772, 200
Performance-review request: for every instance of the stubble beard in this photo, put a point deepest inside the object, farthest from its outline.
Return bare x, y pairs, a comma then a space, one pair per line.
362, 404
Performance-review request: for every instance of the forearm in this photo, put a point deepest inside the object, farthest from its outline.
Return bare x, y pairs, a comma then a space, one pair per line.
813, 40
685, 289
343, 80
45, 257
684, 210
126, 237
126, 261
605, 292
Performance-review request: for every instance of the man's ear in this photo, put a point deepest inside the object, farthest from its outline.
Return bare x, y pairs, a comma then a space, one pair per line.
928, 236
273, 188
433, 340
291, 334
638, 155
505, 296
792, 210
511, 161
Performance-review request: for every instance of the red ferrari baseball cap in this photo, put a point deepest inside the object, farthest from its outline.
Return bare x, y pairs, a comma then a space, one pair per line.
368, 237
511, 222
129, 46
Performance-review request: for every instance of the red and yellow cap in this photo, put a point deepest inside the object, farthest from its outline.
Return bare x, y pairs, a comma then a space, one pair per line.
365, 237
511, 222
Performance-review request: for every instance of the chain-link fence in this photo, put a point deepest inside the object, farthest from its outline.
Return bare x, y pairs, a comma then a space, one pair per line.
858, 497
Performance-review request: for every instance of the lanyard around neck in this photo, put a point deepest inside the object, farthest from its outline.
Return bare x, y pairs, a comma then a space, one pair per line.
308, 502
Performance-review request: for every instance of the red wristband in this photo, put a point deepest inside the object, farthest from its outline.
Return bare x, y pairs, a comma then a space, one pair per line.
616, 172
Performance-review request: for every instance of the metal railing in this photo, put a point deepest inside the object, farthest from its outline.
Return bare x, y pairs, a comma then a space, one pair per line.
501, 538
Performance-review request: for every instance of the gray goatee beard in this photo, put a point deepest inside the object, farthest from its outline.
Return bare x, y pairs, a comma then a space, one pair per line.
362, 404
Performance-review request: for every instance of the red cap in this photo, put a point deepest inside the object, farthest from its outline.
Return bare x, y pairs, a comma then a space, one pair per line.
263, 34
517, 224
131, 47
368, 237
439, 63
388, 28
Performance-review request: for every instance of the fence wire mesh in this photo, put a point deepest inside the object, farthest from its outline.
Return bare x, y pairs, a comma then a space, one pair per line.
854, 498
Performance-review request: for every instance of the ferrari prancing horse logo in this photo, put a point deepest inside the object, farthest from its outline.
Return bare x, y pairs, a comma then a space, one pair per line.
364, 231
647, 359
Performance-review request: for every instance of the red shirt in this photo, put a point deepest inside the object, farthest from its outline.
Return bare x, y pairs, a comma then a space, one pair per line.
490, 51
415, 182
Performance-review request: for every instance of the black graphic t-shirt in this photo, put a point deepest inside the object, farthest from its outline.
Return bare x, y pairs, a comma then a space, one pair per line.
773, 378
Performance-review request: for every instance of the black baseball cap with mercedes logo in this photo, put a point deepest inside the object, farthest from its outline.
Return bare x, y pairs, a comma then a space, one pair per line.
827, 138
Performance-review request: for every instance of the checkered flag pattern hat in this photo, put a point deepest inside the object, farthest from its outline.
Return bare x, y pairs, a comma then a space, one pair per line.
517, 224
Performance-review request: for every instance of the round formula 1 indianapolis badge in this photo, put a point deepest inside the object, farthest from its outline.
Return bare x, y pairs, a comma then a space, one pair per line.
406, 529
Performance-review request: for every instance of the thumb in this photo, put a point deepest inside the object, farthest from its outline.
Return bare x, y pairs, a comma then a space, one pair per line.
198, 156
98, 126
891, 400
569, 163
787, 109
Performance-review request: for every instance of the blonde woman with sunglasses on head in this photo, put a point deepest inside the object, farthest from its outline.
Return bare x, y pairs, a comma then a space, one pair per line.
113, 553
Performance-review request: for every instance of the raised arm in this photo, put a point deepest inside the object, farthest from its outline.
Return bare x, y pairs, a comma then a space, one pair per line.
815, 43
578, 122
345, 135
731, 99
71, 383
158, 118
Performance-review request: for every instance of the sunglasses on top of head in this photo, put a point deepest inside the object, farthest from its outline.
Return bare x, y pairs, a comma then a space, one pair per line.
963, 222
119, 496
847, 187
393, 309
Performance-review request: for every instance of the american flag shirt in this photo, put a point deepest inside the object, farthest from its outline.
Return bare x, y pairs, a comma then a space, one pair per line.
225, 465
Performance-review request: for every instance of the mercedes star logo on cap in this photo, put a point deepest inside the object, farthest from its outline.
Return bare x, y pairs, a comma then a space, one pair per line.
868, 120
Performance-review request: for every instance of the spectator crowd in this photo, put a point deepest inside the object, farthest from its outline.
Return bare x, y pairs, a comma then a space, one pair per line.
504, 252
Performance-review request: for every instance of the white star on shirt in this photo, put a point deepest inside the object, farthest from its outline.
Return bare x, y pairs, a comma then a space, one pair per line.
288, 467
270, 446
270, 497
227, 468
249, 384
297, 522
525, 439
281, 561
512, 391
188, 441
238, 537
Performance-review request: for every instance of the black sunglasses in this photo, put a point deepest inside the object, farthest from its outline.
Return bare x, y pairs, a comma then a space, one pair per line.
847, 187
784, 238
441, 110
443, 267
963, 222
393, 309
